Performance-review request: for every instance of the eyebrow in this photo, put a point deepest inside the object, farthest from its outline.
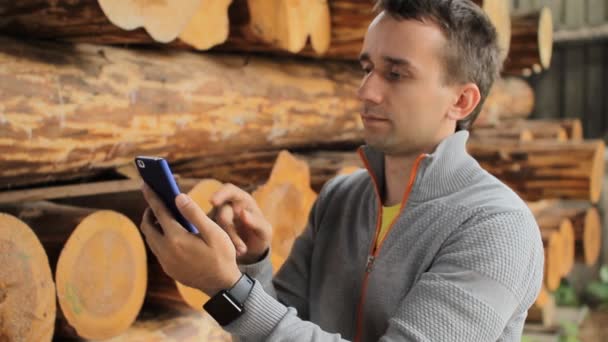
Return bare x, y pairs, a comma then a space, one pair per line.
364, 57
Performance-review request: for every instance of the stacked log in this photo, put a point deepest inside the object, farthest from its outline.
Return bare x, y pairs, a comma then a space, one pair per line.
99, 262
532, 43
27, 290
78, 112
334, 29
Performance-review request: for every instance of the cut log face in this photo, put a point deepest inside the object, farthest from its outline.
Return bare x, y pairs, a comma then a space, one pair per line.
209, 26
101, 275
27, 291
498, 12
319, 25
286, 200
563, 226
279, 22
163, 20
552, 243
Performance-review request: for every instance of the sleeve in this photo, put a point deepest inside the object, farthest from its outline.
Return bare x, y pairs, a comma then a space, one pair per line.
483, 275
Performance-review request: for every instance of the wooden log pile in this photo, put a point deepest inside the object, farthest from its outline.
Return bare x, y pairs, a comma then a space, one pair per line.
89, 84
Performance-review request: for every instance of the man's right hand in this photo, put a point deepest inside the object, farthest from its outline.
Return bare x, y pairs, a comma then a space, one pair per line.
238, 214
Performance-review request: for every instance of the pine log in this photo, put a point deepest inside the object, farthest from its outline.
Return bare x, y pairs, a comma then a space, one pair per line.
27, 290
563, 226
336, 28
531, 42
540, 129
286, 200
515, 133
510, 99
247, 170
545, 169
99, 262
553, 248
586, 227
163, 20
83, 108
543, 310
174, 326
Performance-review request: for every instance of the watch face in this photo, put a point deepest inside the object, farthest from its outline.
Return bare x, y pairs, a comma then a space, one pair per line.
223, 308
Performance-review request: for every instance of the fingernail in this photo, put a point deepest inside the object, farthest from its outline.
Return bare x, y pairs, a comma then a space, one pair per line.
181, 200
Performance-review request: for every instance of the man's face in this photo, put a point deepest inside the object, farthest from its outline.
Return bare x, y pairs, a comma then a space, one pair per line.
404, 93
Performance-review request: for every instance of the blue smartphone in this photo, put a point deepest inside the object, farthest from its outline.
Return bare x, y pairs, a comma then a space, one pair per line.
156, 173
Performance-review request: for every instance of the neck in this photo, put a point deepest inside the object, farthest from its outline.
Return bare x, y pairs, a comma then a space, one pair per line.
396, 177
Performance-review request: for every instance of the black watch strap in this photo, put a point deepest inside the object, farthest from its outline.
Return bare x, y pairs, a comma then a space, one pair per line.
228, 305
240, 291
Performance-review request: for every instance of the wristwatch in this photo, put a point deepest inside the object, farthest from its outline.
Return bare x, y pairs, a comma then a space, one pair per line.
228, 305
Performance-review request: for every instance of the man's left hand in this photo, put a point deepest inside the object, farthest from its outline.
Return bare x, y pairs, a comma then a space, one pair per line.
206, 261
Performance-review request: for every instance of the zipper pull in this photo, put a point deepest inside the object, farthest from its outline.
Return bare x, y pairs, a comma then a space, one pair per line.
370, 263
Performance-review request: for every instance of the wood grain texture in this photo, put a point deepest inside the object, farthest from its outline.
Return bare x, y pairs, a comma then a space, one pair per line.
27, 291
82, 108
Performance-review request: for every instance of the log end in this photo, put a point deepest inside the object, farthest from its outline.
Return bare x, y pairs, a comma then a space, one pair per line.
545, 37
592, 236
597, 172
566, 231
195, 298
102, 275
499, 13
27, 291
209, 26
202, 192
553, 244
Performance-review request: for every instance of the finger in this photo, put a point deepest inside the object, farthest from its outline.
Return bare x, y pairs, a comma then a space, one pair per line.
225, 219
162, 214
149, 229
231, 193
253, 221
193, 213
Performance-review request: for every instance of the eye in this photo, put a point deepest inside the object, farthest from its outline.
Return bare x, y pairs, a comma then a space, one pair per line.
393, 76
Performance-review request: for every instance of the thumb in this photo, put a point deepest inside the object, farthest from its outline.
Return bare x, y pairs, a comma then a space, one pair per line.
193, 213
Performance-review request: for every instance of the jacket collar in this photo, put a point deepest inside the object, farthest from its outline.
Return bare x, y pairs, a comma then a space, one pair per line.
448, 169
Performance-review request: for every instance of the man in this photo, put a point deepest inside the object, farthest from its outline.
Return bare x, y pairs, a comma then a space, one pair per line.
423, 245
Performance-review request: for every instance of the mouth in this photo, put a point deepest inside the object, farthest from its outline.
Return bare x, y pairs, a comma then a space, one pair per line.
371, 119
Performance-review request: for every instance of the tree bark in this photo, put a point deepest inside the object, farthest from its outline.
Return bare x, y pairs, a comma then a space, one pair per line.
27, 290
545, 169
531, 42
336, 28
99, 262
543, 129
70, 110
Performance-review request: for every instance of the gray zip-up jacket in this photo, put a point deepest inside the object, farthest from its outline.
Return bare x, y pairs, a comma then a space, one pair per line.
463, 261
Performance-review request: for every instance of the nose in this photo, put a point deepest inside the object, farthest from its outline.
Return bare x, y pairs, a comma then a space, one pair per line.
371, 88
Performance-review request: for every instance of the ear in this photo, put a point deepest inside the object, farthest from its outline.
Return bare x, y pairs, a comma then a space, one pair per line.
468, 97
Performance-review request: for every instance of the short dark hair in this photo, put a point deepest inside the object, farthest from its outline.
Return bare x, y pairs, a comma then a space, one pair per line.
472, 53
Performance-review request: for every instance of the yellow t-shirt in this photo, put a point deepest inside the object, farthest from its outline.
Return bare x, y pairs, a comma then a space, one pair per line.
388, 214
